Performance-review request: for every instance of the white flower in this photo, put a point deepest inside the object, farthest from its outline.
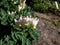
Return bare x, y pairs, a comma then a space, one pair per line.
27, 18
11, 13
20, 18
19, 7
35, 22
26, 21
56, 5
30, 19
15, 20
15, 2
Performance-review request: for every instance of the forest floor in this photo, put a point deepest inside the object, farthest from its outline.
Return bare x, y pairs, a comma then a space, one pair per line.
49, 26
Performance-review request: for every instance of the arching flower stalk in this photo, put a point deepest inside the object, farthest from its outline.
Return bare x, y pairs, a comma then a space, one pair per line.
26, 21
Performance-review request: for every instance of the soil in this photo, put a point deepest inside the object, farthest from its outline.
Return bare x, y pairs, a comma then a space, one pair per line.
50, 33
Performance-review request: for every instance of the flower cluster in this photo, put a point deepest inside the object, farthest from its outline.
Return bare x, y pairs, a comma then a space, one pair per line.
26, 21
22, 5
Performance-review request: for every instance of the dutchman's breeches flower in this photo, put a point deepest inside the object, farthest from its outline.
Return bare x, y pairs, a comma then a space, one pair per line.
35, 22
11, 13
26, 21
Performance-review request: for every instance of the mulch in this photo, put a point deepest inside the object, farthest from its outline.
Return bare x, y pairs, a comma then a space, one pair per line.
50, 34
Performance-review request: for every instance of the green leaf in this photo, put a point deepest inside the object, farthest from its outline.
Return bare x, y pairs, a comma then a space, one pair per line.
18, 36
23, 40
28, 42
1, 42
13, 36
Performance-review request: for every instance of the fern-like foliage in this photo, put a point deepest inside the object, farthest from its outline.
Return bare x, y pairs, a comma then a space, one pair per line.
10, 34
43, 5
